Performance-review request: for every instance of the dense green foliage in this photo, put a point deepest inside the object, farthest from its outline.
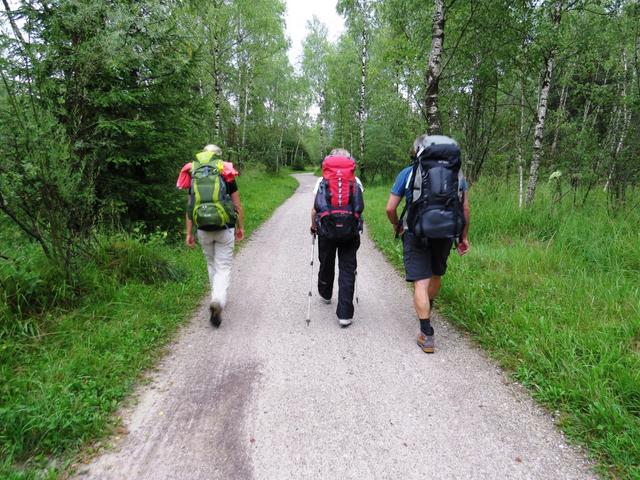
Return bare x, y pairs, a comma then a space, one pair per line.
63, 372
493, 59
101, 103
553, 295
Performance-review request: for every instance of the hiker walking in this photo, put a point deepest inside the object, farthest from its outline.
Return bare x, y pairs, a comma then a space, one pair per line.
336, 219
437, 208
214, 208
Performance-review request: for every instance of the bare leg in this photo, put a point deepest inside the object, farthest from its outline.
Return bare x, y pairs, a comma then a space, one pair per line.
421, 290
434, 286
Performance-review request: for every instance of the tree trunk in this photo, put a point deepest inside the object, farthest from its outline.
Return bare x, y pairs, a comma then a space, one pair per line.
363, 78
521, 144
295, 152
613, 178
247, 89
217, 90
559, 119
433, 72
16, 31
542, 110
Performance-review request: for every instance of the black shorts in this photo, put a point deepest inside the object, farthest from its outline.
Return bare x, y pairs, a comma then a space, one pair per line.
423, 259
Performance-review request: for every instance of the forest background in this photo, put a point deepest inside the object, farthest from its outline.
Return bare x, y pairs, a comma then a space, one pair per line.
101, 103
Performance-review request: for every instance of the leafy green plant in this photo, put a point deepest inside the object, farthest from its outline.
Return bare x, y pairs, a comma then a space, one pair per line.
133, 259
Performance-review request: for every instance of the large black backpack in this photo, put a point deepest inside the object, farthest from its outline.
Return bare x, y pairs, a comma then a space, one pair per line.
434, 207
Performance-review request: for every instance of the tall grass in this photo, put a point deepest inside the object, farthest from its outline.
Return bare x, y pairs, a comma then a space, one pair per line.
552, 292
63, 376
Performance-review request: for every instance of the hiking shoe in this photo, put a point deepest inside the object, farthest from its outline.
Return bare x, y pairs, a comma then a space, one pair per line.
325, 300
216, 310
344, 322
426, 343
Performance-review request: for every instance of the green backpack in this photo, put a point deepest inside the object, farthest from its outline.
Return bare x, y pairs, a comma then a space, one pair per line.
212, 205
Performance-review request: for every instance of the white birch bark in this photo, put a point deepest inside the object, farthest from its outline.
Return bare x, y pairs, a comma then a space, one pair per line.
247, 89
295, 152
321, 115
542, 110
217, 89
626, 120
434, 69
363, 79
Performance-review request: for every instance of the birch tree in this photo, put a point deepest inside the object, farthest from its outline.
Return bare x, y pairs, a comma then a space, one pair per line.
359, 19
543, 99
432, 81
316, 50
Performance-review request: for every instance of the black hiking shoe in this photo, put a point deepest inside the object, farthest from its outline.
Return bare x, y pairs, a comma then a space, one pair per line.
216, 310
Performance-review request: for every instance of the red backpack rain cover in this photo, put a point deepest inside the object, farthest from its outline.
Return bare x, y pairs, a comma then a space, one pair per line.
339, 200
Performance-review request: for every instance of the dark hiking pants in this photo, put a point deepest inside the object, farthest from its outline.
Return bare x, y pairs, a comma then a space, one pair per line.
347, 263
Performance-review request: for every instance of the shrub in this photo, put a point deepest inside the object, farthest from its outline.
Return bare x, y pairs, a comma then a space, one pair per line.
139, 259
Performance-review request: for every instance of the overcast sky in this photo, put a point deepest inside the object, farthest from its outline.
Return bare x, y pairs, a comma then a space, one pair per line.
300, 11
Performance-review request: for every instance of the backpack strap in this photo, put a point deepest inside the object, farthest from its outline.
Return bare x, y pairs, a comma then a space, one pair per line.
327, 192
352, 198
408, 199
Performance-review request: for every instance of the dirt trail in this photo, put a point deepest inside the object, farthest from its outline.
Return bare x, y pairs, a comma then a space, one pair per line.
268, 397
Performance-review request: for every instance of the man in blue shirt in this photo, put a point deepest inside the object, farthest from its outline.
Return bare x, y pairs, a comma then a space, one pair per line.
426, 262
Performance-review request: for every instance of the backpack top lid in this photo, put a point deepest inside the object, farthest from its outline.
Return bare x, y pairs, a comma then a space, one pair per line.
334, 166
206, 156
438, 147
424, 141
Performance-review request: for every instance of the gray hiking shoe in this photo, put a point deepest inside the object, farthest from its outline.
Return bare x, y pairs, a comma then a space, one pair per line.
426, 343
216, 310
344, 322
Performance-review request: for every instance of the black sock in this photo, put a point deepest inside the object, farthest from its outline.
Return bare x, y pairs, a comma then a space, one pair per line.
425, 326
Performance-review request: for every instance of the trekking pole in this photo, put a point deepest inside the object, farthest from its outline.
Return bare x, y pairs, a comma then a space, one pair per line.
313, 251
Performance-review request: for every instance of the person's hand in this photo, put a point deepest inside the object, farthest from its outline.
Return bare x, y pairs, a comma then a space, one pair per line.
239, 233
398, 229
463, 246
191, 240
313, 230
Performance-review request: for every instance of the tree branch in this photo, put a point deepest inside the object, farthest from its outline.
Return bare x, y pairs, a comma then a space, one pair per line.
457, 43
23, 226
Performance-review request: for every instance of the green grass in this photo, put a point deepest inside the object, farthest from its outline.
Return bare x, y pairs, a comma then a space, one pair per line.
553, 294
63, 374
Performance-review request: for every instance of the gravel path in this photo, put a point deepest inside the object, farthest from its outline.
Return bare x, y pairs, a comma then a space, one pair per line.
268, 397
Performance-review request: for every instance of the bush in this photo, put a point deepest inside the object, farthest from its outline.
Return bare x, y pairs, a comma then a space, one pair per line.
31, 283
139, 259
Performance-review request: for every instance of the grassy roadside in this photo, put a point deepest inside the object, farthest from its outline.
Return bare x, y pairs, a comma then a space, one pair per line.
553, 295
62, 378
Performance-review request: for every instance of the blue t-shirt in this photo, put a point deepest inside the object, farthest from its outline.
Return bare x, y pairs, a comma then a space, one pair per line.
400, 185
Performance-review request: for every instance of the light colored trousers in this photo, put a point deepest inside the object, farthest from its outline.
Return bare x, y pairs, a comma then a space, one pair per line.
218, 250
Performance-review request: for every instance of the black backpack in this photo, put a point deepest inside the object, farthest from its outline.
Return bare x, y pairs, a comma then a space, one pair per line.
434, 207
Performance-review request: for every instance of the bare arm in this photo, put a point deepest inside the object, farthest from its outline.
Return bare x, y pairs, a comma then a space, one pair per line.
392, 214
190, 239
235, 198
464, 245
